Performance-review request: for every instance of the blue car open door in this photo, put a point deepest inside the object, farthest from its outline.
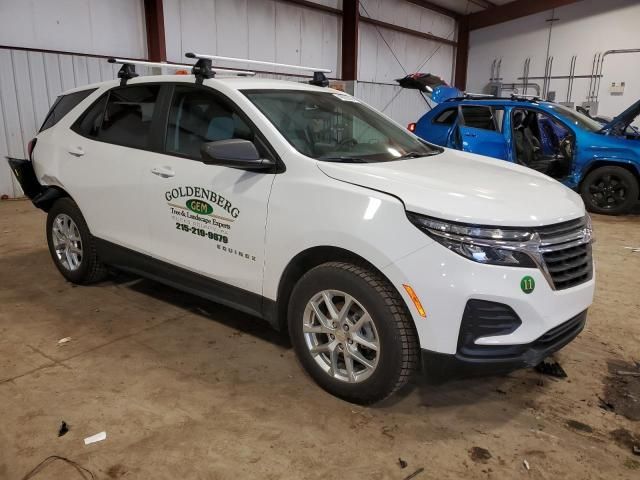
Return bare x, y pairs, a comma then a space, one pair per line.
479, 129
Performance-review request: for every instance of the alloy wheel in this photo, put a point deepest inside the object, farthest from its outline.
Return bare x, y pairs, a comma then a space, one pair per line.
341, 336
67, 242
608, 191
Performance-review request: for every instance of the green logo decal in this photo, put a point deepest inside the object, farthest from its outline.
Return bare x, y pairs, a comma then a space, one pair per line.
527, 284
198, 206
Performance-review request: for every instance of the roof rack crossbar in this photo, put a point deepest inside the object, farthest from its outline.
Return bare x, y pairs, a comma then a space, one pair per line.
128, 69
319, 77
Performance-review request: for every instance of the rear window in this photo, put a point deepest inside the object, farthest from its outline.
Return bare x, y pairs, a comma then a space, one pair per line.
448, 117
63, 105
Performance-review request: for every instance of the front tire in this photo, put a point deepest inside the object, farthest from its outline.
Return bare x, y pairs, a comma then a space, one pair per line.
610, 190
71, 245
352, 332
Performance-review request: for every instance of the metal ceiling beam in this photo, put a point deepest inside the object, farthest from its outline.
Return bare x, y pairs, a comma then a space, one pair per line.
511, 11
314, 6
435, 8
484, 3
408, 31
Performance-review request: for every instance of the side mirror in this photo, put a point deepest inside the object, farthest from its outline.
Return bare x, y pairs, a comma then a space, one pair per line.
234, 153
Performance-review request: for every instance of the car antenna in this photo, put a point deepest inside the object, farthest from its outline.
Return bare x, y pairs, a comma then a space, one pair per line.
319, 78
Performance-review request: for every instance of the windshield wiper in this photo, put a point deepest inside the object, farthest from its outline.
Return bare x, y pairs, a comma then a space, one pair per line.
416, 155
343, 159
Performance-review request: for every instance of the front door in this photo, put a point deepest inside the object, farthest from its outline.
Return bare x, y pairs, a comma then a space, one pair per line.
209, 219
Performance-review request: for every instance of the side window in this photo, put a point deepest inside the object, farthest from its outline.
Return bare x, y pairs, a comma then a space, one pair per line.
127, 116
448, 117
198, 116
89, 122
63, 105
476, 116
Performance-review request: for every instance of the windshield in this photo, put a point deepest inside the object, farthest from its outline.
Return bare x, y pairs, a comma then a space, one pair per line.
577, 118
336, 127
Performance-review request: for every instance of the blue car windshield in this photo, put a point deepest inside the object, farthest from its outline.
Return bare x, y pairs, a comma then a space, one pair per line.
336, 127
576, 118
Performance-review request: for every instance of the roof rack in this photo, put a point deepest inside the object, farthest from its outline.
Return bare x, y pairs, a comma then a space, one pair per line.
319, 78
514, 97
128, 69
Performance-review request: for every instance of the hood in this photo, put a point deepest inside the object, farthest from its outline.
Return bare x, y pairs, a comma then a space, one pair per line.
468, 188
625, 117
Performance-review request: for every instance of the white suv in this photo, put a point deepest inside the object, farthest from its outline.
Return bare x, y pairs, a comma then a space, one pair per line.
303, 206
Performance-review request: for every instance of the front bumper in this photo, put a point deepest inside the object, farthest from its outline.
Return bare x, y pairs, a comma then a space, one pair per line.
491, 360
445, 283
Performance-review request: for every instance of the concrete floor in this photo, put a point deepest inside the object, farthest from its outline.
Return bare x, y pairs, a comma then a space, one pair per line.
189, 389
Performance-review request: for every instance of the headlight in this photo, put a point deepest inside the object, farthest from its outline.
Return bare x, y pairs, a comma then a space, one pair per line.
489, 245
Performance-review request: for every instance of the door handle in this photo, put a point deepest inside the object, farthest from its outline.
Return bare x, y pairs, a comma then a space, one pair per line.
76, 151
163, 172
470, 135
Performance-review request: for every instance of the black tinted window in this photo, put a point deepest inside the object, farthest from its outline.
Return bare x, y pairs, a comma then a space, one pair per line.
63, 105
197, 117
447, 117
89, 123
127, 118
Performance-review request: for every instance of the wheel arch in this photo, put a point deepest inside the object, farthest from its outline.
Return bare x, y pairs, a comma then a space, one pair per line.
48, 196
302, 263
628, 165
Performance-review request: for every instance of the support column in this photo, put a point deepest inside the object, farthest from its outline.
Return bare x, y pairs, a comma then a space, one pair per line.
462, 54
154, 21
350, 20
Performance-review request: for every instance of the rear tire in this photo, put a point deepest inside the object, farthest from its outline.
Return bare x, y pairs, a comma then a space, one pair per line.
72, 247
362, 354
610, 190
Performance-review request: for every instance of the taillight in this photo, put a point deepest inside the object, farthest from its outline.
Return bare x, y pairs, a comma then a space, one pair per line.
30, 146
411, 127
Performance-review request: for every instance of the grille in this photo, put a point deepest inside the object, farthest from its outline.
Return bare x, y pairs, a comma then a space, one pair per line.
568, 261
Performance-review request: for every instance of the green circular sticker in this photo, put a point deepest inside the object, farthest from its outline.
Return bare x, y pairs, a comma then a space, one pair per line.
527, 284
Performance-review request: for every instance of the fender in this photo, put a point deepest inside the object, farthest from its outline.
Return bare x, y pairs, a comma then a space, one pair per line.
41, 196
605, 161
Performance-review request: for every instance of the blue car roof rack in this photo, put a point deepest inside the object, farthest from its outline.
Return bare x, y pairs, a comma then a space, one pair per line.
483, 96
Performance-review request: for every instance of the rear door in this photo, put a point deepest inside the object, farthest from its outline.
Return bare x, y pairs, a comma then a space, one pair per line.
208, 219
104, 153
480, 130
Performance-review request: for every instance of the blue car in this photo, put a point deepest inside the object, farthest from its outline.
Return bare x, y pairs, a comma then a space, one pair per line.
601, 161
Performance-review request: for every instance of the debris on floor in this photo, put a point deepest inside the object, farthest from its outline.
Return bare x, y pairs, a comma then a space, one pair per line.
633, 249
608, 406
84, 472
414, 474
579, 426
552, 368
636, 450
526, 464
64, 428
402, 463
98, 437
623, 391
626, 373
479, 454
64, 340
